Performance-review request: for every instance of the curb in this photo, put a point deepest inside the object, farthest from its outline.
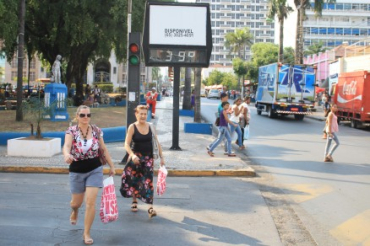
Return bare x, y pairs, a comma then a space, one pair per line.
248, 172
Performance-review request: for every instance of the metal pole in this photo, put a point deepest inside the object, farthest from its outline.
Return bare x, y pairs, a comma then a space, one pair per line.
176, 112
129, 10
22, 14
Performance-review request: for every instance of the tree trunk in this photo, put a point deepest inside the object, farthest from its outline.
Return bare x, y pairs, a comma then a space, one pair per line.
38, 131
281, 42
296, 57
28, 74
186, 102
197, 75
22, 13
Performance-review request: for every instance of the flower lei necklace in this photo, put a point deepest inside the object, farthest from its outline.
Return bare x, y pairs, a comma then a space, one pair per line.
84, 135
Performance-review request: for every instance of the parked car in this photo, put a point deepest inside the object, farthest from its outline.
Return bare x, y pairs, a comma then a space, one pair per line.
214, 93
203, 93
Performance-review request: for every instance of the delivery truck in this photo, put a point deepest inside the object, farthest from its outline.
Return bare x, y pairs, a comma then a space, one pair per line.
285, 90
352, 96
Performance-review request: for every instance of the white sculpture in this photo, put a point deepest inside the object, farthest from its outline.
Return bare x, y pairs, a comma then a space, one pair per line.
56, 77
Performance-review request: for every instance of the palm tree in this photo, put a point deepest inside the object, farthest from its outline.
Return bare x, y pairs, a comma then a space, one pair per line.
280, 9
316, 48
302, 5
237, 42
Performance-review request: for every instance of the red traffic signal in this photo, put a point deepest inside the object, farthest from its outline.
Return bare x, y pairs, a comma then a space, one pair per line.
134, 48
134, 57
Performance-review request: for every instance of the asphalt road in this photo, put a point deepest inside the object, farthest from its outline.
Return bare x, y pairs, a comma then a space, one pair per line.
332, 199
196, 211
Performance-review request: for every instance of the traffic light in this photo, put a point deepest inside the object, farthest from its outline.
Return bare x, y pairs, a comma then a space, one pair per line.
134, 54
133, 75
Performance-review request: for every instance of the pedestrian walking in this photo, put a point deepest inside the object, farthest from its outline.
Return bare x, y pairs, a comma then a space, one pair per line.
245, 115
81, 152
137, 176
235, 118
97, 93
223, 131
331, 129
87, 91
192, 99
151, 100
326, 106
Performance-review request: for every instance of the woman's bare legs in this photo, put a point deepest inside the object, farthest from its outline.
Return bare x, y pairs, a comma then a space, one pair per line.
91, 194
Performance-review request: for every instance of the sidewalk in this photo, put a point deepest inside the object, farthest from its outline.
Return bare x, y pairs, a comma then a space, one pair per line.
192, 160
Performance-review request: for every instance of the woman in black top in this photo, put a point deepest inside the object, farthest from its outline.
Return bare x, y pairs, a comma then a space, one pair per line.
137, 176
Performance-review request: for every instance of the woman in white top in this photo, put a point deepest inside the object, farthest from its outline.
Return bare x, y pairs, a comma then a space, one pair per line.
235, 118
245, 115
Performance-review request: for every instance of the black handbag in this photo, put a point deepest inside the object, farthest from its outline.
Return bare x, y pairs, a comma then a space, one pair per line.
217, 122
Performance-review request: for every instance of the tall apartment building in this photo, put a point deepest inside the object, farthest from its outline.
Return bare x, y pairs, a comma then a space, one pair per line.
346, 21
228, 15
343, 21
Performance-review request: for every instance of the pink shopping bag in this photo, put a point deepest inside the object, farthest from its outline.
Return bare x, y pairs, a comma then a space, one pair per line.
108, 206
161, 181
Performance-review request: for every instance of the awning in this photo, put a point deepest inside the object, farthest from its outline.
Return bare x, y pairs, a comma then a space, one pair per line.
319, 89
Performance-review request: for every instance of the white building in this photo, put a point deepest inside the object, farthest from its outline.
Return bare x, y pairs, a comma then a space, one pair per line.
228, 15
343, 21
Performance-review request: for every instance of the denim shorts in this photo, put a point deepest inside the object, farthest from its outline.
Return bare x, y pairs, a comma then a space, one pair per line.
79, 181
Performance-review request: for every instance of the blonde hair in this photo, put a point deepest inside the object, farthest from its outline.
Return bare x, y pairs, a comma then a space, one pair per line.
79, 110
140, 107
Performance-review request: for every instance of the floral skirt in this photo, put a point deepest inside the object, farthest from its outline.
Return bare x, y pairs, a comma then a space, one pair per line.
138, 179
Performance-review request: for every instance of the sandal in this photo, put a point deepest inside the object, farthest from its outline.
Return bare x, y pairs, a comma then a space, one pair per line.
134, 207
89, 241
210, 153
241, 147
73, 222
152, 213
327, 159
231, 155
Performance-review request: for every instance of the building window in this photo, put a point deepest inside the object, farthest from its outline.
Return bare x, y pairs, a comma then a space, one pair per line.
33, 64
114, 70
14, 75
32, 76
14, 63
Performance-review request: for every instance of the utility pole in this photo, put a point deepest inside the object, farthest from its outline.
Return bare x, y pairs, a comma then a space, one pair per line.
129, 11
22, 14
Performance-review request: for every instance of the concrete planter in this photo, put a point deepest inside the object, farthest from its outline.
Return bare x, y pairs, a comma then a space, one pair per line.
46, 147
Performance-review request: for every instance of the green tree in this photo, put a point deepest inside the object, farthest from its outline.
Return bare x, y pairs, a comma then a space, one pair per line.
156, 72
240, 69
280, 9
301, 6
215, 78
262, 54
288, 55
230, 81
81, 31
316, 48
238, 41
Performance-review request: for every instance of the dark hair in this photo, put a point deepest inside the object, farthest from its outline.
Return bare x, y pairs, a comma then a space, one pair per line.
224, 103
223, 94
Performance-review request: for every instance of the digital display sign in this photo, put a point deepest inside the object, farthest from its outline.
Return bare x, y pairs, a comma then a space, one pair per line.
177, 55
177, 34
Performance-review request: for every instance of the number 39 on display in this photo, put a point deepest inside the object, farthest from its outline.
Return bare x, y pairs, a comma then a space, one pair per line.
181, 56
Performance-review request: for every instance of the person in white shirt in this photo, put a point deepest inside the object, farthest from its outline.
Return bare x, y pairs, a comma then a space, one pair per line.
245, 115
235, 118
